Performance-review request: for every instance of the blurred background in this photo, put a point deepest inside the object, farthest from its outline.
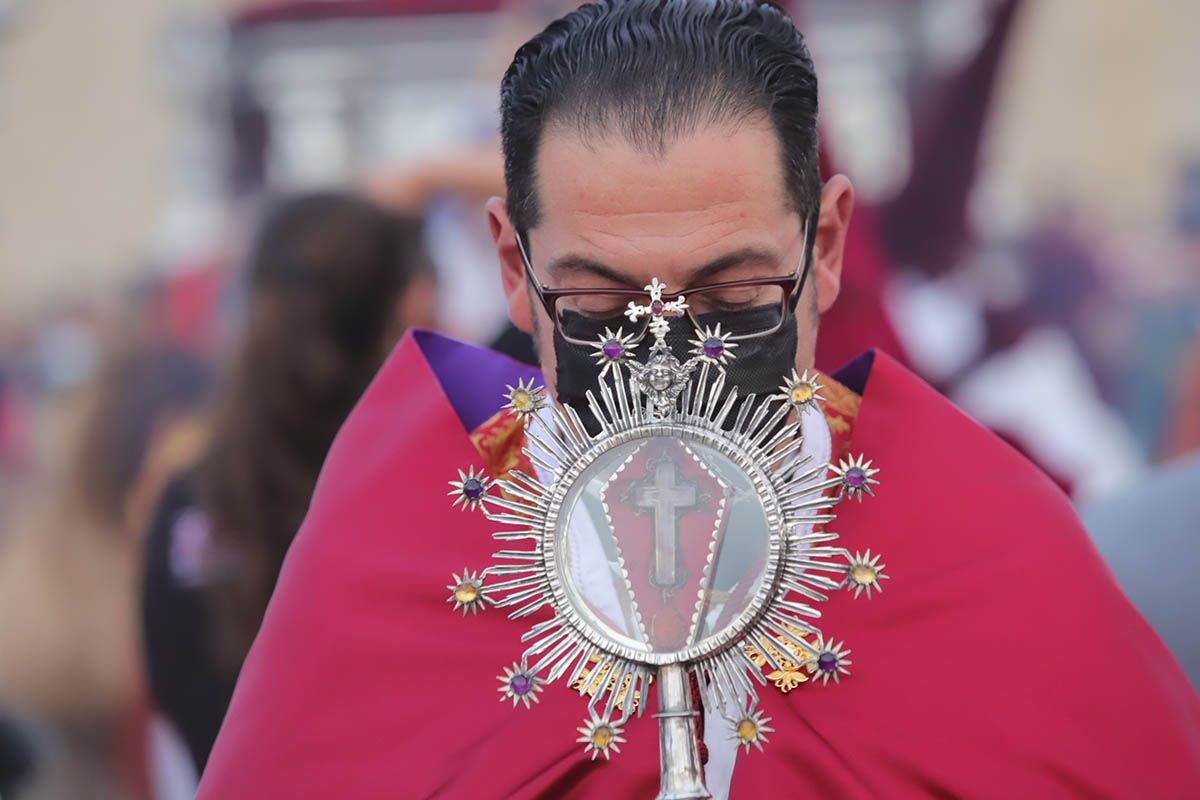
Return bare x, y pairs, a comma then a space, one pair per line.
1028, 240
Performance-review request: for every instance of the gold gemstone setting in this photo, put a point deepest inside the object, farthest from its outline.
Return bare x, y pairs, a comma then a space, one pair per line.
865, 574
802, 390
466, 592
600, 736
751, 730
524, 399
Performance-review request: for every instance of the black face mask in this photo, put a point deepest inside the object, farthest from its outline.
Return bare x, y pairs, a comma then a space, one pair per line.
760, 366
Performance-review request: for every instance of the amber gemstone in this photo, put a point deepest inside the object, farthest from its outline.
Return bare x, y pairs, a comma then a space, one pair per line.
802, 392
602, 737
466, 592
522, 400
747, 730
862, 574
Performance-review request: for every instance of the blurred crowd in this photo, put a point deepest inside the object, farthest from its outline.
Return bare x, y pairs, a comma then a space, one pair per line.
162, 428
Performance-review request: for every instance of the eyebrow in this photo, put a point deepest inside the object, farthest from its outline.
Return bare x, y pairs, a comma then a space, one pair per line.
577, 264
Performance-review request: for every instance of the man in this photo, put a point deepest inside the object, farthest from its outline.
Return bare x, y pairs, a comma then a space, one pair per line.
676, 140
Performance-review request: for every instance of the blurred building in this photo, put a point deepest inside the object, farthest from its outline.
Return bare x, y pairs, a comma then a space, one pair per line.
1097, 105
123, 148
84, 139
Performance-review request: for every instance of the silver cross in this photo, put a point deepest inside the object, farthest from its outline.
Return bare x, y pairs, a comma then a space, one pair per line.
656, 309
666, 497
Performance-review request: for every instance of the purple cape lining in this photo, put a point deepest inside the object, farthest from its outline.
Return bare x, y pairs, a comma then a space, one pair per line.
473, 378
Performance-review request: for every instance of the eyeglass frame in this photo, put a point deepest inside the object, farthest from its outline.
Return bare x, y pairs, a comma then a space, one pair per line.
793, 286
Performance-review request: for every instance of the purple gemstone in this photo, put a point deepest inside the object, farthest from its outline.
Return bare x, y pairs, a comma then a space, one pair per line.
713, 347
613, 349
855, 478
827, 662
520, 684
472, 488
656, 307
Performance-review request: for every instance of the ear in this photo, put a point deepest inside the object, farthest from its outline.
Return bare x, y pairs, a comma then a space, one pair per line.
837, 205
512, 271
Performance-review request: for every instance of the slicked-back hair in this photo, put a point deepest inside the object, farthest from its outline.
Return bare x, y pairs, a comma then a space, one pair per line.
652, 71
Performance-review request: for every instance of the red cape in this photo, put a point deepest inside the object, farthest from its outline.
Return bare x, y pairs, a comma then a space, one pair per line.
1001, 660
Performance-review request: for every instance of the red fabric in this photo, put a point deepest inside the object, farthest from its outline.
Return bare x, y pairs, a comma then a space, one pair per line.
1001, 659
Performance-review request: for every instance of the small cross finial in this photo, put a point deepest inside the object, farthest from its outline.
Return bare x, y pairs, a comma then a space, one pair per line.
657, 310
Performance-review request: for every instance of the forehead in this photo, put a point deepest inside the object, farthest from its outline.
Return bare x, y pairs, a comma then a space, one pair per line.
719, 186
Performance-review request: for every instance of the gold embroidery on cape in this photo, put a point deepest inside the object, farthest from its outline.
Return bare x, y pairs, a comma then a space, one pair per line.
841, 410
499, 442
837, 425
838, 398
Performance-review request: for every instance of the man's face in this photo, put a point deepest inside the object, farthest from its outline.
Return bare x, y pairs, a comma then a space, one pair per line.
712, 208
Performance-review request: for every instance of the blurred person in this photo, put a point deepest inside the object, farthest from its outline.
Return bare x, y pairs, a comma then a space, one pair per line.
17, 757
1159, 371
14, 433
1148, 531
925, 227
677, 140
450, 185
1040, 396
1041, 339
1155, 382
68, 564
333, 281
1183, 422
1181, 429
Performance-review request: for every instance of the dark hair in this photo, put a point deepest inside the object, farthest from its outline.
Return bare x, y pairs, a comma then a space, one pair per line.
652, 70
325, 278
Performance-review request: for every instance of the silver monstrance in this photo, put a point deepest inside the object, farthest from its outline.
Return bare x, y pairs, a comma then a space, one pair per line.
684, 542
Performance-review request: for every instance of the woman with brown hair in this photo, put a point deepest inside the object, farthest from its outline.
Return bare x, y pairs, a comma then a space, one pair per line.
333, 282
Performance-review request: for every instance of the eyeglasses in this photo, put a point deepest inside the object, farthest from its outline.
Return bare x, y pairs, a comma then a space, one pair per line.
746, 309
